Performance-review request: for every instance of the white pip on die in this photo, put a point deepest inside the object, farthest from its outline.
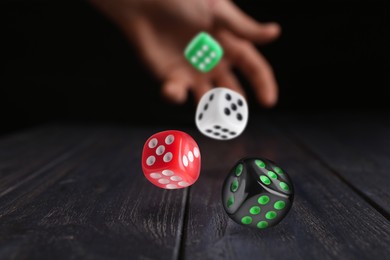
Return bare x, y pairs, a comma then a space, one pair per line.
221, 114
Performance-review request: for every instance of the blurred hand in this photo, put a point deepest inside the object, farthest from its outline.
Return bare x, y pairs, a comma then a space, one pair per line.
161, 29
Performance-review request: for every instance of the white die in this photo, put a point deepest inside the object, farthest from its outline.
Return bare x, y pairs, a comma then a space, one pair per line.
221, 114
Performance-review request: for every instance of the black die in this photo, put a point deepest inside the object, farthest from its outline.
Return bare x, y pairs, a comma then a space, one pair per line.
257, 193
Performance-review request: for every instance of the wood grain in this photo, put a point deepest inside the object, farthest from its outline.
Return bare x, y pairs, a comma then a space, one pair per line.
328, 220
356, 147
26, 155
79, 193
95, 204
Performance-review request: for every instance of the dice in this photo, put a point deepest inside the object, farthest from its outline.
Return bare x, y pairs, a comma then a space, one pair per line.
257, 193
171, 159
221, 114
203, 52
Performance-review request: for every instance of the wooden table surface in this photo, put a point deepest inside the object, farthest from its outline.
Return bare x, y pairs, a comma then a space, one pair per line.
73, 191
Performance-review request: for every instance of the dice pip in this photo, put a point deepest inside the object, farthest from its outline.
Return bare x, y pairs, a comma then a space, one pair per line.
203, 52
221, 114
257, 193
171, 159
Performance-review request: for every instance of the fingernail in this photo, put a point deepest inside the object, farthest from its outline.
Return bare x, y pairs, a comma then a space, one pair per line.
176, 95
274, 28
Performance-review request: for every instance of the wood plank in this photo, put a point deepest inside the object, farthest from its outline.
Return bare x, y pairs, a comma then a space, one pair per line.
355, 146
328, 219
95, 204
23, 155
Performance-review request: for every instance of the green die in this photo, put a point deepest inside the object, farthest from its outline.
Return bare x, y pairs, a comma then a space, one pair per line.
203, 52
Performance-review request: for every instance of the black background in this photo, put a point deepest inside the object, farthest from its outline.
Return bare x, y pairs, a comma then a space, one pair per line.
64, 61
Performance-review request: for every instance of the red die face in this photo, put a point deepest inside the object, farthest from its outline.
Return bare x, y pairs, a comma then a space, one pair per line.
171, 159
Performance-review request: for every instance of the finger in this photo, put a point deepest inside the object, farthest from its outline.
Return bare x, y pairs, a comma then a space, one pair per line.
259, 72
229, 16
226, 78
253, 66
200, 89
175, 89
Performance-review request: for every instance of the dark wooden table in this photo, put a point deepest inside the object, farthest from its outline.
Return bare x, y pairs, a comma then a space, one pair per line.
70, 191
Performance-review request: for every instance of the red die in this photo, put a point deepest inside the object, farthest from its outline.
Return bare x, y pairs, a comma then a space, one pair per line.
171, 159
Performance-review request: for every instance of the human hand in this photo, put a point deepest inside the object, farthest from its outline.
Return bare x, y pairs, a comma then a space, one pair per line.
161, 29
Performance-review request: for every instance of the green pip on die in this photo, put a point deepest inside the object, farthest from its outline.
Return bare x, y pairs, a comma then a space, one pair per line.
257, 193
203, 52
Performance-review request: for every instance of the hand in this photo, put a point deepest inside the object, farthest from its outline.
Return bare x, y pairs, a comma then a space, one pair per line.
161, 29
